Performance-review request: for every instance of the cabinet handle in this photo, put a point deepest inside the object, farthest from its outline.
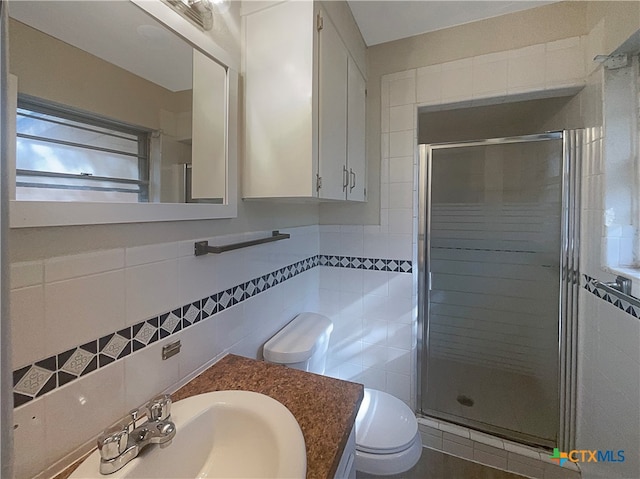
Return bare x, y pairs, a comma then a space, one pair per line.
352, 174
345, 178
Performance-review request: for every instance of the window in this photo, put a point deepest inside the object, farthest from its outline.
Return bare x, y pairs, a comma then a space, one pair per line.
67, 155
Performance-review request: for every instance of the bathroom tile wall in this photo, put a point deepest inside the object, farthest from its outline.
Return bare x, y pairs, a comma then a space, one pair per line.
372, 310
609, 337
62, 303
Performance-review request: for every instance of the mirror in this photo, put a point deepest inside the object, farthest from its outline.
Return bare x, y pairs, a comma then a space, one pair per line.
113, 107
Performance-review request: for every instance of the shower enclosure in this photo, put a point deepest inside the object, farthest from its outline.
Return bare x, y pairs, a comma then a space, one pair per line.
498, 285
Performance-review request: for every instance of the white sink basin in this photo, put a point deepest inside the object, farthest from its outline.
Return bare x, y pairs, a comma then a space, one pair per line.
222, 434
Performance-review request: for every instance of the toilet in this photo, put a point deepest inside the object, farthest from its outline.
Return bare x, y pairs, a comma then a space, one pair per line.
387, 437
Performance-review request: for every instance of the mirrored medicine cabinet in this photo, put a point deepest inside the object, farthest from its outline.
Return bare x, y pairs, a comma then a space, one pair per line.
124, 112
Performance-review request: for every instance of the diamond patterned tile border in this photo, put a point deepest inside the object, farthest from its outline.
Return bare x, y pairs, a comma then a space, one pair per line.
591, 285
41, 377
372, 264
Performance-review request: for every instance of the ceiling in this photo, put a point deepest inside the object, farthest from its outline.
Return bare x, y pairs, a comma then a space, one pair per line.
384, 21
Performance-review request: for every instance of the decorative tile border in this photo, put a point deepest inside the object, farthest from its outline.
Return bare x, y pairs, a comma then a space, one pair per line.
375, 264
41, 377
591, 285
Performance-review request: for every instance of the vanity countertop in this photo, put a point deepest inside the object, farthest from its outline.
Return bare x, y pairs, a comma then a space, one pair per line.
325, 408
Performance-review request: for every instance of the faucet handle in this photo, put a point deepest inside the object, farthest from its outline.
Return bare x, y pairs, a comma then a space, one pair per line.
113, 442
129, 421
159, 408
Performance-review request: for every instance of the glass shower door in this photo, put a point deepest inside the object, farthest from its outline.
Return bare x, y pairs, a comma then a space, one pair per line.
493, 249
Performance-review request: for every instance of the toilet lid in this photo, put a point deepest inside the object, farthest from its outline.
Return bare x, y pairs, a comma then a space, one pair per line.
384, 423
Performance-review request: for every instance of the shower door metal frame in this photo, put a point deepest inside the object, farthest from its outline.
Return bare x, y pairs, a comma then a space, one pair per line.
572, 141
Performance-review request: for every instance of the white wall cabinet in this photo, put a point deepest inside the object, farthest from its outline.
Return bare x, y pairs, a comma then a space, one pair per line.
304, 107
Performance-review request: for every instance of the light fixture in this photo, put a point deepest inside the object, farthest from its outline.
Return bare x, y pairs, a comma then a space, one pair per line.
199, 12
221, 5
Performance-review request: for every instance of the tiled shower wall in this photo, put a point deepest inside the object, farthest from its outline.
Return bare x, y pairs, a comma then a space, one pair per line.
373, 311
66, 310
609, 337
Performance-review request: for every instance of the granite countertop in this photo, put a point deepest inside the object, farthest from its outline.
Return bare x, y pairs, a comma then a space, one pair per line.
325, 408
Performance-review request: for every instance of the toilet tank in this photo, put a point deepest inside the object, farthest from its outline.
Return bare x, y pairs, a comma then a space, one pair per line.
301, 344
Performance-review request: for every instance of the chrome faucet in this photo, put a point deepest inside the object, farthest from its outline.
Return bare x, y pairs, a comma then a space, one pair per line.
123, 442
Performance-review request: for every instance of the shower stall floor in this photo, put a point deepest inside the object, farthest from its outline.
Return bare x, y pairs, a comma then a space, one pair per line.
501, 402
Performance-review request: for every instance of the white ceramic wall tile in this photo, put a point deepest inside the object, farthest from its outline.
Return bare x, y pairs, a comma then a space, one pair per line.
526, 69
522, 450
384, 117
83, 309
374, 330
521, 465
453, 429
457, 80
330, 243
29, 273
374, 356
197, 277
80, 410
151, 289
457, 449
329, 302
401, 143
490, 79
564, 65
375, 283
399, 335
400, 221
384, 92
402, 117
377, 308
27, 325
68, 267
490, 441
351, 244
376, 245
146, 374
401, 288
384, 173
330, 278
400, 245
401, 195
231, 267
429, 85
384, 145
401, 169
229, 327
351, 280
384, 195
405, 74
402, 91
399, 385
350, 304
398, 361
151, 253
373, 378
30, 453
489, 459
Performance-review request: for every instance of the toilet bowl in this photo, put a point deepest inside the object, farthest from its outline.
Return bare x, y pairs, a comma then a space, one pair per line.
387, 437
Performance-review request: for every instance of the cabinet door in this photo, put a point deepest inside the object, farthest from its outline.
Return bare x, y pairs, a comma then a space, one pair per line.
356, 150
332, 96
